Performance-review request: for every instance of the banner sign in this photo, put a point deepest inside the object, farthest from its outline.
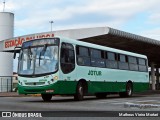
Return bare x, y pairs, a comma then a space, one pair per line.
10, 44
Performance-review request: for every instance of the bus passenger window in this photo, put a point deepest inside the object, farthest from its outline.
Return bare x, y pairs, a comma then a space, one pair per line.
133, 65
123, 62
83, 56
83, 51
142, 65
111, 56
111, 61
97, 58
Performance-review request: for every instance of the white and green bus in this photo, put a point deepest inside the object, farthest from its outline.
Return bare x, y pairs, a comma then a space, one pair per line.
63, 66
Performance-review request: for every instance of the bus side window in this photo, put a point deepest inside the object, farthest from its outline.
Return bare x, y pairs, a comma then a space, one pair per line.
97, 58
67, 58
111, 61
123, 62
142, 65
83, 56
133, 65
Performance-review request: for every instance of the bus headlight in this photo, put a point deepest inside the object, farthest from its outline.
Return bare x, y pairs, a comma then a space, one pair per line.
55, 78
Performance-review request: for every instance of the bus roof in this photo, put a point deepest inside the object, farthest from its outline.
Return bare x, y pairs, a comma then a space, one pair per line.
91, 45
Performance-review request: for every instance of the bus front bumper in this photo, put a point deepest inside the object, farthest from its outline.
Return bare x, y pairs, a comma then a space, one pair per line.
62, 87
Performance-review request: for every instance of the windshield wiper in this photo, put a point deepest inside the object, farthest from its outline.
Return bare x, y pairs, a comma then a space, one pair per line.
42, 52
29, 52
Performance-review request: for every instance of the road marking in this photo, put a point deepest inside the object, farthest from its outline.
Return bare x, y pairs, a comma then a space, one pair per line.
146, 100
118, 103
113, 101
123, 101
105, 101
139, 101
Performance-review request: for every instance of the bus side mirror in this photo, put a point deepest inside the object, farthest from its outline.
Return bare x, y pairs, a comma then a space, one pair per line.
15, 51
14, 55
45, 47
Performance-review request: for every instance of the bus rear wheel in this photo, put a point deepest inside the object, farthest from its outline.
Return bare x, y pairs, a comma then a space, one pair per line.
46, 97
79, 92
128, 92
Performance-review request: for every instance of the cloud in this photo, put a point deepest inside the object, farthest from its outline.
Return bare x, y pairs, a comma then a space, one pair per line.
152, 33
154, 19
11, 5
34, 15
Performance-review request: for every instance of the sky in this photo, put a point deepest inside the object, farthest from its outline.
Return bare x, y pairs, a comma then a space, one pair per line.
140, 17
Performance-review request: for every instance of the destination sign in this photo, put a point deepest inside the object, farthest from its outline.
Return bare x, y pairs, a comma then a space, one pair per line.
44, 41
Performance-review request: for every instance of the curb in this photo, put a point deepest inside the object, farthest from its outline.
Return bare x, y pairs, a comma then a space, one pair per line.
15, 94
149, 92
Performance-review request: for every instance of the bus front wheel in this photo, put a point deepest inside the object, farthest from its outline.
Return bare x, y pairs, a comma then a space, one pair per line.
79, 92
46, 97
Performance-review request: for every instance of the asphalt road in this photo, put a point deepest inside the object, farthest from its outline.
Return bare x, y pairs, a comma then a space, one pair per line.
89, 104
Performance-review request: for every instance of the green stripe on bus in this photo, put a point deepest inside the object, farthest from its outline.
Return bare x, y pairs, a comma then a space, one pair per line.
69, 87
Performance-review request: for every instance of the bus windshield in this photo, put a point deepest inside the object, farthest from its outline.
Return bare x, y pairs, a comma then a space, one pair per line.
38, 60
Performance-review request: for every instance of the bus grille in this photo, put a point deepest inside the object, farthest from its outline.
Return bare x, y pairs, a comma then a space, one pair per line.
34, 90
35, 83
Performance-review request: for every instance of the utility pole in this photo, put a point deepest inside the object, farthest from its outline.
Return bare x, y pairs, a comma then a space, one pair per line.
51, 22
4, 2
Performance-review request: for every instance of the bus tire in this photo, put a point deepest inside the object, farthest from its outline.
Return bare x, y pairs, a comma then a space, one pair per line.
46, 97
101, 95
79, 92
128, 92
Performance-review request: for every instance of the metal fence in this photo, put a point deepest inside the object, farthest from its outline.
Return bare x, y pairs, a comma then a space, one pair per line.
6, 83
